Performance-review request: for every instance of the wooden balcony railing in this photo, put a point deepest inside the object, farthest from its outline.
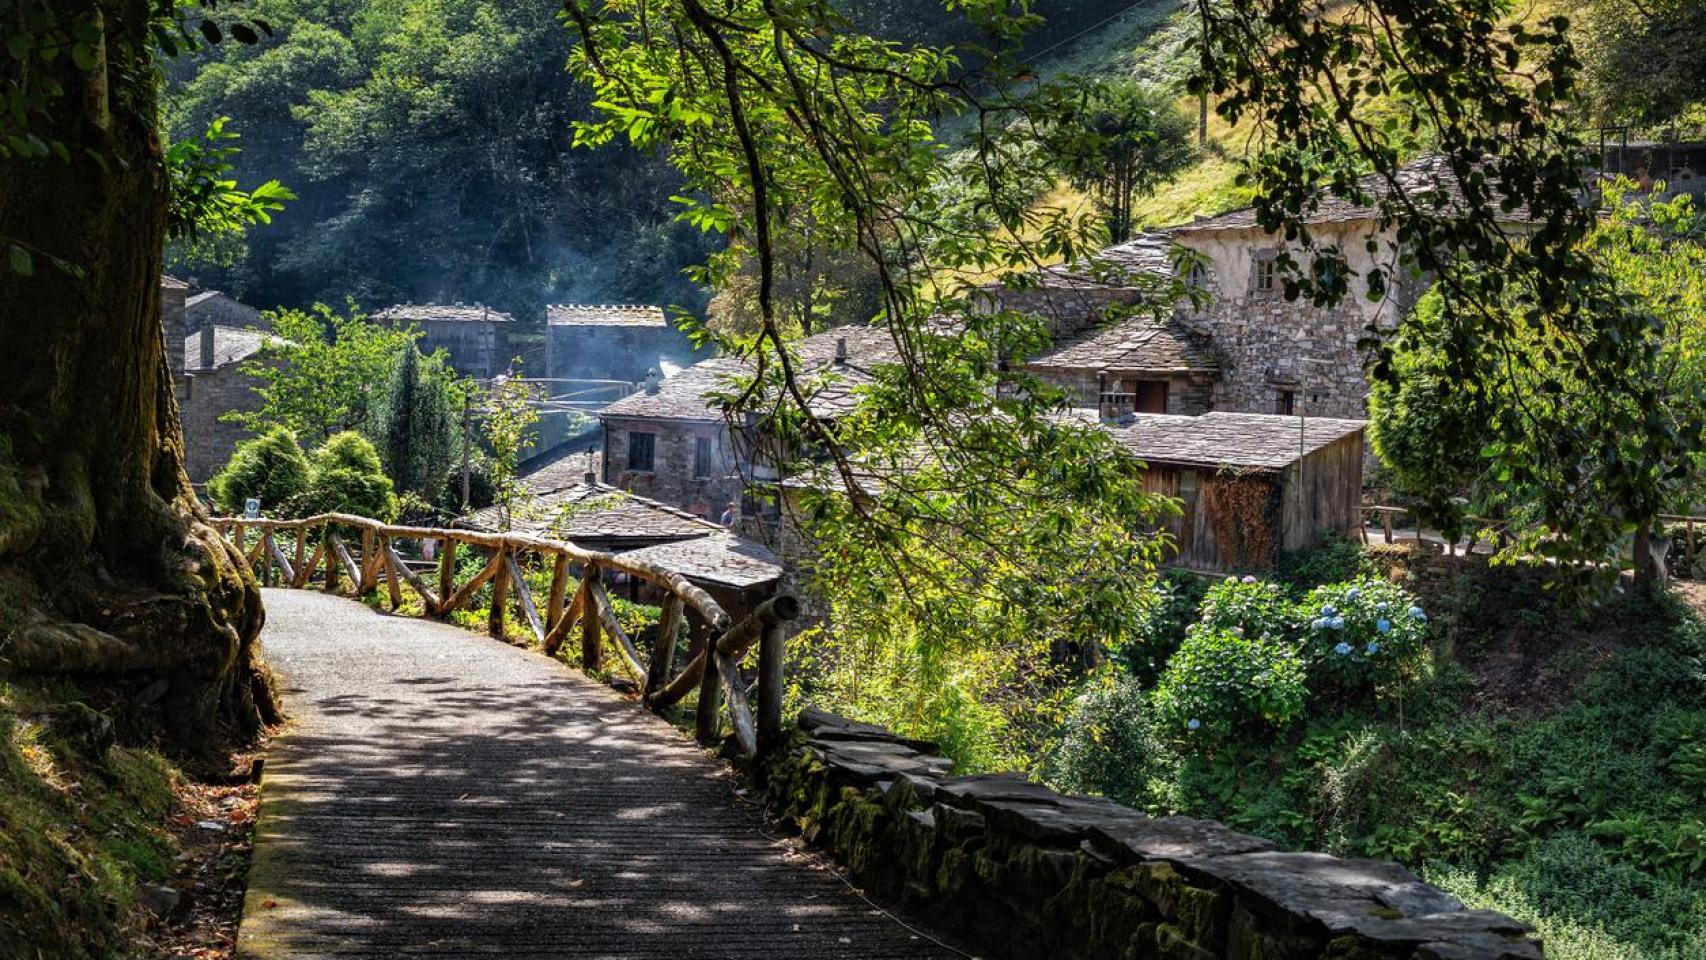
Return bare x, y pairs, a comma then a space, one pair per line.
315, 552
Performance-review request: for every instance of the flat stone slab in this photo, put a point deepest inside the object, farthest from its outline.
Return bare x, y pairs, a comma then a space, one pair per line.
1174, 838
445, 795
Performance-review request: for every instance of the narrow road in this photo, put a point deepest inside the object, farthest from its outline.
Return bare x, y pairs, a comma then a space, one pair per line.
445, 795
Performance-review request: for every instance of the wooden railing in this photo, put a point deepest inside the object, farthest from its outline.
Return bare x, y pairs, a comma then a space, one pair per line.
315, 547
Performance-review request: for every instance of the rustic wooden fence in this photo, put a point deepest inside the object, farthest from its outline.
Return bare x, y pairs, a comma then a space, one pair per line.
315, 552
1686, 532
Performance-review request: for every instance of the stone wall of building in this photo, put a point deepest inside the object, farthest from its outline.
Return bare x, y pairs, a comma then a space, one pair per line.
612, 351
1188, 396
204, 396
1263, 340
672, 479
477, 348
1021, 871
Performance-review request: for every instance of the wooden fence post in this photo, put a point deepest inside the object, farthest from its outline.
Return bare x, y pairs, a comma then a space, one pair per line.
559, 589
301, 550
706, 725
663, 648
500, 599
446, 575
369, 570
771, 654
331, 558
592, 653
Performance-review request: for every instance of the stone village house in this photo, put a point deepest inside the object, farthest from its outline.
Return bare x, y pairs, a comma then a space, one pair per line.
207, 369
475, 337
611, 342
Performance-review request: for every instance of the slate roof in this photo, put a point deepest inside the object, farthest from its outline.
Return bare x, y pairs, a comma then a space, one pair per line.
425, 312
1133, 345
1418, 178
604, 315
1255, 441
169, 282
724, 559
683, 396
230, 344
201, 298
594, 514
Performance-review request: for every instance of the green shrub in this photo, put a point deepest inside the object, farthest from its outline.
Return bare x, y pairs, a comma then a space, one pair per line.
1362, 635
1161, 626
1222, 680
1108, 746
1337, 559
1251, 605
271, 468
346, 478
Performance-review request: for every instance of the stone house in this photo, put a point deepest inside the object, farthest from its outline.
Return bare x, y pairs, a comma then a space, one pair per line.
624, 342
209, 381
475, 337
671, 443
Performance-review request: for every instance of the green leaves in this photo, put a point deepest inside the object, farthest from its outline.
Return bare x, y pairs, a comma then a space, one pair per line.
203, 201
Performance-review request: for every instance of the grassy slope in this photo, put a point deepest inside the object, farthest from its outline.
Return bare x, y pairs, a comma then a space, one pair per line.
82, 823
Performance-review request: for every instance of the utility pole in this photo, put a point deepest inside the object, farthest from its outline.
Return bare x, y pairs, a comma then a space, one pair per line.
467, 439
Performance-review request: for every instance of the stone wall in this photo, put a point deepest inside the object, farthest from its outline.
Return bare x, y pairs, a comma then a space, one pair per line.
671, 478
613, 351
173, 294
477, 348
1022, 871
203, 397
1186, 395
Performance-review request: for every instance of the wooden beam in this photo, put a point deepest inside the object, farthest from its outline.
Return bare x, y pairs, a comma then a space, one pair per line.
706, 726
556, 635
625, 651
348, 561
301, 551
468, 589
369, 564
414, 579
382, 557
524, 597
329, 541
663, 648
305, 571
740, 713
287, 573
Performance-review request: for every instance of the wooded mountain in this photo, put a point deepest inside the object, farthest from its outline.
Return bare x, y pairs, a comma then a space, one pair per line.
429, 144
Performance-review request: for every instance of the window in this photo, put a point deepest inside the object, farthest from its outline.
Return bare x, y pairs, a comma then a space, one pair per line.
701, 458
1149, 396
1196, 276
1285, 404
641, 449
1264, 276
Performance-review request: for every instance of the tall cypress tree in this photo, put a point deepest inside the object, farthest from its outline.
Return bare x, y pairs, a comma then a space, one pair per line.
416, 430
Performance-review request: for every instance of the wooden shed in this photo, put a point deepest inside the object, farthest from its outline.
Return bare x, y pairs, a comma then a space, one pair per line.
1250, 485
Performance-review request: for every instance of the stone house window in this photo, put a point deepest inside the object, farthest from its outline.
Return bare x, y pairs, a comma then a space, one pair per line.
642, 451
1285, 402
701, 458
1264, 274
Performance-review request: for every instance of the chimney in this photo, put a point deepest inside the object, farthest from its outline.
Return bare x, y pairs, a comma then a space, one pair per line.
207, 346
651, 380
841, 351
173, 293
589, 478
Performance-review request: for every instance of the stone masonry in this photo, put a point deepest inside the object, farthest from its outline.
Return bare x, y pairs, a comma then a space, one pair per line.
1026, 872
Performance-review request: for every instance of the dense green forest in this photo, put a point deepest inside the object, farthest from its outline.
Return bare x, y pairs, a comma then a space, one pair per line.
429, 144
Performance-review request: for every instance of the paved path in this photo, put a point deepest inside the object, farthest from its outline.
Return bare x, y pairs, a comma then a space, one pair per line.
446, 795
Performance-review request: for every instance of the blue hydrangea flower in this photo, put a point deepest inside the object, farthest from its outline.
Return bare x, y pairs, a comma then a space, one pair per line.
1417, 614
1381, 606
1337, 623
1373, 647
1327, 610
1194, 723
1383, 625
1353, 593
1342, 649
1318, 624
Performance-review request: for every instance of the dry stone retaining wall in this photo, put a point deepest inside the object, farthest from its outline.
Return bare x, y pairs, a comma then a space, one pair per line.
1024, 871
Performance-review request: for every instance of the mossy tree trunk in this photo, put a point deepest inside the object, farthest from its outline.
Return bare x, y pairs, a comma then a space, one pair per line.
108, 567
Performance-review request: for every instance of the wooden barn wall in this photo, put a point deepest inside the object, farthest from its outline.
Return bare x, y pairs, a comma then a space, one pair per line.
1193, 531
1332, 499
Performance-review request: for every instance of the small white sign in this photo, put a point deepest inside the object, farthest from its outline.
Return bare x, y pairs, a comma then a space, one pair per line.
251, 509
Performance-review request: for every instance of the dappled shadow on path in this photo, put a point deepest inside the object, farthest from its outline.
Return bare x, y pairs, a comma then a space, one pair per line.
447, 795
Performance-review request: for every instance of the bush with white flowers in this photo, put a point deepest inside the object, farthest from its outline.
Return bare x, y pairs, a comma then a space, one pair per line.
1362, 635
1221, 681
1248, 604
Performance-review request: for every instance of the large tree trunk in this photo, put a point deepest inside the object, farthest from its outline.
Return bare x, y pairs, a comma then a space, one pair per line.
108, 567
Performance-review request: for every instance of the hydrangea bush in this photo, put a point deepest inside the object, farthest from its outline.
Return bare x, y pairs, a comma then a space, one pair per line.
1222, 679
1251, 605
1362, 635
